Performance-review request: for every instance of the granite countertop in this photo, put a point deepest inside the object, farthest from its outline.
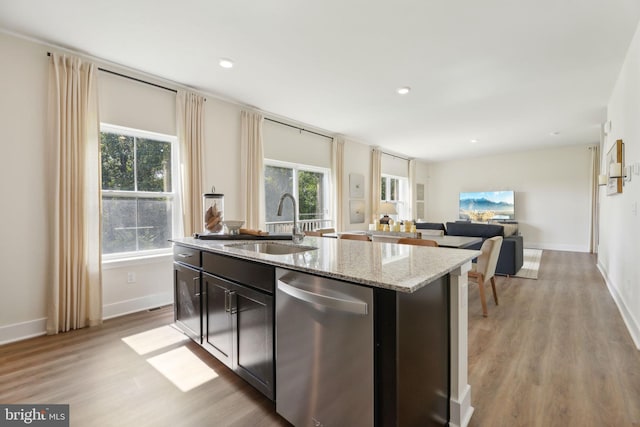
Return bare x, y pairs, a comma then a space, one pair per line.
403, 268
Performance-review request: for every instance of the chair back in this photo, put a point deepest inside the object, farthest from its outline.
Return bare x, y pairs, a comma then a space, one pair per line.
488, 260
354, 236
417, 242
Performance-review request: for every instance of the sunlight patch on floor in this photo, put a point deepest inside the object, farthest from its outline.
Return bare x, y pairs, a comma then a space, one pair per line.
183, 368
154, 339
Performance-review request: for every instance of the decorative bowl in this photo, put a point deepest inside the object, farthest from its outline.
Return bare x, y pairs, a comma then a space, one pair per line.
233, 226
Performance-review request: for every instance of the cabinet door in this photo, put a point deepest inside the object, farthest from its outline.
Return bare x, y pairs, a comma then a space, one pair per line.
253, 338
218, 333
187, 301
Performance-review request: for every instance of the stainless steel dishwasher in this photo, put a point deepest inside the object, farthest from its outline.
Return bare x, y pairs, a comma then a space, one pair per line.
324, 351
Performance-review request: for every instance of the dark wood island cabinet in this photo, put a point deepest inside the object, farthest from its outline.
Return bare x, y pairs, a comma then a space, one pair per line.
226, 301
226, 305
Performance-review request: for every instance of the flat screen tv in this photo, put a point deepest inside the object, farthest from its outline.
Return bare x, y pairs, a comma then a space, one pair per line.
487, 205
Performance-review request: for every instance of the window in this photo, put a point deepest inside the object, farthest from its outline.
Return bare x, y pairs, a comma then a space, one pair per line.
138, 195
308, 184
395, 189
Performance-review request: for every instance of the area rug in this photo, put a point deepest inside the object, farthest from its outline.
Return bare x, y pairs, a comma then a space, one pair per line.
531, 264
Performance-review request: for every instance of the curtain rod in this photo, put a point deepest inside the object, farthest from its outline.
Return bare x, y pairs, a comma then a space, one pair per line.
133, 78
393, 155
299, 128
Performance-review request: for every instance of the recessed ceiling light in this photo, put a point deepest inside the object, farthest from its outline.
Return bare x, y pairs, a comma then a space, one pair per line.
226, 63
404, 90
473, 141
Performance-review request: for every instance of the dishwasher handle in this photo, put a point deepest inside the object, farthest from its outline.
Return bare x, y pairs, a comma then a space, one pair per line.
349, 306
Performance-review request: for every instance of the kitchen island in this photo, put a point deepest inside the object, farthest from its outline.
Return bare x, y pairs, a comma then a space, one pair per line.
418, 362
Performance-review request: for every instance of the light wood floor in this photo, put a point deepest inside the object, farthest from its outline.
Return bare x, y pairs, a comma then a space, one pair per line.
554, 353
107, 383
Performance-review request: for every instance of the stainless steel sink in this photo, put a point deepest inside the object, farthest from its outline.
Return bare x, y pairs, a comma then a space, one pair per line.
271, 248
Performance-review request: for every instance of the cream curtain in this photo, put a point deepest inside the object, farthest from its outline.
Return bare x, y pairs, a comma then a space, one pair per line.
412, 190
376, 174
337, 172
252, 168
595, 171
190, 125
75, 288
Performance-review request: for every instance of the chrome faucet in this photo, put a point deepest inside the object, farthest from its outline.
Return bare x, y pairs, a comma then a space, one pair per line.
297, 235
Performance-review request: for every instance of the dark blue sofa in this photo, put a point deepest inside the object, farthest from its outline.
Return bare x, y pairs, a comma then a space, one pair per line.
511, 252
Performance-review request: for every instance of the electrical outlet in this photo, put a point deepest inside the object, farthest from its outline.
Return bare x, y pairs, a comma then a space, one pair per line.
131, 277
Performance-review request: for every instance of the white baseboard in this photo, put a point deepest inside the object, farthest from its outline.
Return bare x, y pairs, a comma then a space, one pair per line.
632, 325
37, 327
556, 247
23, 330
461, 411
121, 308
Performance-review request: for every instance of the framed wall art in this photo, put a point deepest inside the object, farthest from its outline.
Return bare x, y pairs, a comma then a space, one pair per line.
356, 211
615, 156
356, 186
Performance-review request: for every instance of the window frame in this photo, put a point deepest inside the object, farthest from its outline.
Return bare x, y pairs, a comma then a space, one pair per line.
174, 195
403, 205
326, 172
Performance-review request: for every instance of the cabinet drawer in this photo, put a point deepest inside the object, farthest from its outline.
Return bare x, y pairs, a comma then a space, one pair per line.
245, 272
186, 255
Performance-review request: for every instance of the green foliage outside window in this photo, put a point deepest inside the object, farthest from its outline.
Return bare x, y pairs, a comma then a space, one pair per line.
152, 160
279, 180
132, 218
310, 194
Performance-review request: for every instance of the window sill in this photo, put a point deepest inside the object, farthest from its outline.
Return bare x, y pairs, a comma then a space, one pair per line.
136, 260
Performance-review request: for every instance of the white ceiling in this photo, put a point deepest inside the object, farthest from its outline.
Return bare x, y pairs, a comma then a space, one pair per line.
505, 72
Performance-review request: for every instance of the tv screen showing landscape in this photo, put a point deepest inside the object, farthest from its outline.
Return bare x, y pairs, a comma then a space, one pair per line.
487, 205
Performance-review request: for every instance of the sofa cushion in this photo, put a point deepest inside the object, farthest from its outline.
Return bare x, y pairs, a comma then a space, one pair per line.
510, 229
430, 226
474, 230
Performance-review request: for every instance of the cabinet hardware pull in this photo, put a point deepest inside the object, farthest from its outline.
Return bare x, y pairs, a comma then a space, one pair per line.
196, 283
226, 301
232, 302
354, 306
184, 255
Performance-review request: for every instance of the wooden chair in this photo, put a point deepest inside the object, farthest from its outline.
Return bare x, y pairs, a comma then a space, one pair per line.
417, 242
319, 232
354, 237
485, 269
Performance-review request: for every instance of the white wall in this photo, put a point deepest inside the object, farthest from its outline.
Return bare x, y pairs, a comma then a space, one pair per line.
541, 179
619, 231
124, 102
552, 194
222, 154
24, 256
357, 160
24, 253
